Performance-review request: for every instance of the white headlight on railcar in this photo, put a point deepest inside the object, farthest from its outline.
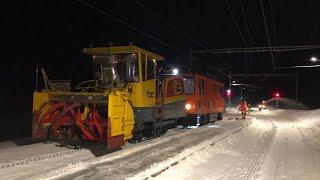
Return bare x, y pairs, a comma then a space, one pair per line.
188, 106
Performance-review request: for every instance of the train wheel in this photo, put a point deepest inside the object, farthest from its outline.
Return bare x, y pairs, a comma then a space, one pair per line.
164, 130
219, 116
137, 134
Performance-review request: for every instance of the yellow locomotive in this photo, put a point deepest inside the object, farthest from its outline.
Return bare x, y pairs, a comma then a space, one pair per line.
126, 100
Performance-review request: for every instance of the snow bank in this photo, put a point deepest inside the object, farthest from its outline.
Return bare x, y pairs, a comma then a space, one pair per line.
310, 117
285, 103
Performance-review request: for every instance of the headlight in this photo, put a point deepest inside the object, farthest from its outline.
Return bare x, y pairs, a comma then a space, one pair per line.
260, 106
188, 106
263, 106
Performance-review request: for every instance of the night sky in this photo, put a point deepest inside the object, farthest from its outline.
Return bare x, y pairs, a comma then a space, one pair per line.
53, 33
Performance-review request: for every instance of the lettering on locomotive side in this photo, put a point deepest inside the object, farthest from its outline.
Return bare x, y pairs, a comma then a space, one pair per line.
150, 94
175, 87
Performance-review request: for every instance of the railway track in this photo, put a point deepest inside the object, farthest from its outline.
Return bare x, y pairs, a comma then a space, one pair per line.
129, 164
70, 155
39, 158
247, 166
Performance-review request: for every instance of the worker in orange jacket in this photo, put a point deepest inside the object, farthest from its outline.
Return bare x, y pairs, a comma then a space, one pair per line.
244, 108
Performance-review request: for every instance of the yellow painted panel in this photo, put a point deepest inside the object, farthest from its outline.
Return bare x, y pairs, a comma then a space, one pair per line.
129, 121
116, 113
120, 115
143, 93
40, 103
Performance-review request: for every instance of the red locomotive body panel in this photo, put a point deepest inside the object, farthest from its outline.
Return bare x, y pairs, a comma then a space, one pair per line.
203, 95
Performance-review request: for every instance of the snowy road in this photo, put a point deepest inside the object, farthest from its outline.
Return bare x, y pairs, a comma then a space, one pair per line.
268, 145
278, 145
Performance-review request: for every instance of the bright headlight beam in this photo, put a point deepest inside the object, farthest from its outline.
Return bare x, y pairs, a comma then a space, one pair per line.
175, 71
188, 106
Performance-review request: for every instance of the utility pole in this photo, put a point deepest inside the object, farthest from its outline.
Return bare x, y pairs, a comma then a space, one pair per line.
297, 85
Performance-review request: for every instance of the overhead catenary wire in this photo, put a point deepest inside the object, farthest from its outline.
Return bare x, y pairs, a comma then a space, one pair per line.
259, 49
273, 25
267, 32
246, 24
273, 28
190, 38
124, 23
163, 20
235, 22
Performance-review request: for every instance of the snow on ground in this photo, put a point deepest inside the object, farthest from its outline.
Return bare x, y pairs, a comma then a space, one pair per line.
127, 166
270, 144
280, 144
227, 159
49, 160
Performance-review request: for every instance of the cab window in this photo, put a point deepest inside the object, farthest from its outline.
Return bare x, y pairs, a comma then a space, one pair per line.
189, 85
148, 67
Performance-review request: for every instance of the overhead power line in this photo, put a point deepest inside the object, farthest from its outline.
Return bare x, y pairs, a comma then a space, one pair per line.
257, 49
124, 23
185, 34
163, 20
267, 32
235, 23
273, 25
246, 23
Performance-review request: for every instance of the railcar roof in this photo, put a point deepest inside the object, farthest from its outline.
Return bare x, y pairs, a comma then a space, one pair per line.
120, 50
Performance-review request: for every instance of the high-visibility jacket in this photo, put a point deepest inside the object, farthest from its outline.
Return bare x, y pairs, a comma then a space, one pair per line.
244, 106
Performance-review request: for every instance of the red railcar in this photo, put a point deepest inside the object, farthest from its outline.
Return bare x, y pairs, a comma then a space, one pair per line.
204, 100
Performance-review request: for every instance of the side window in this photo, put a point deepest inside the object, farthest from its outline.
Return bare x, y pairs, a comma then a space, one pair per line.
189, 85
132, 68
150, 68
143, 62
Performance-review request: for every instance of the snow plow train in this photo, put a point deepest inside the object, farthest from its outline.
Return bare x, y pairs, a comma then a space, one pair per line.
126, 100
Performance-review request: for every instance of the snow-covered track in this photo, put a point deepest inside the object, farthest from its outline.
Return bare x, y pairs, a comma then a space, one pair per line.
158, 168
38, 158
247, 166
124, 164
